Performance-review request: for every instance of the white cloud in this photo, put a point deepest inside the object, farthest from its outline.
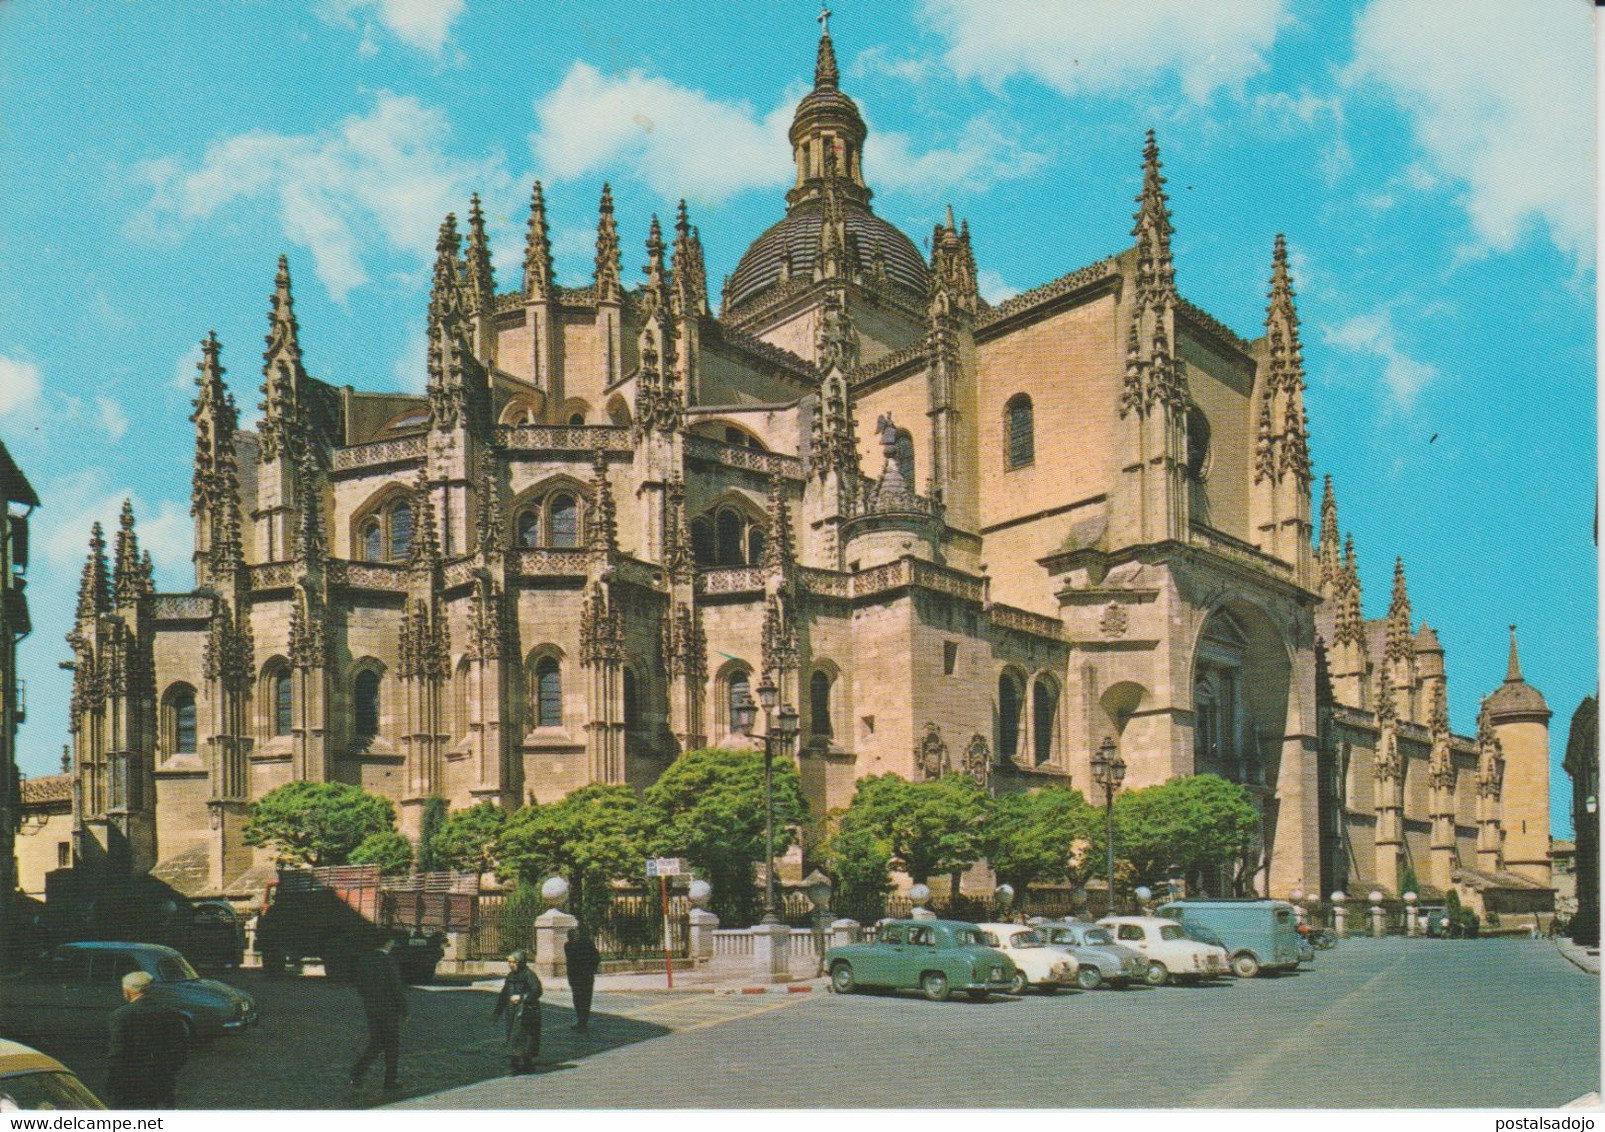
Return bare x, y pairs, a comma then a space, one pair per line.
879, 61
982, 156
1108, 46
993, 287
19, 385
184, 372
1500, 100
681, 142
165, 528
1373, 333
383, 178
421, 24
110, 417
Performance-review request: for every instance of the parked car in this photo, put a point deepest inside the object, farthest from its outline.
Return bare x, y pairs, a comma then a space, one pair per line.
1037, 963
75, 987
1101, 960
1257, 934
31, 1081
935, 956
1171, 955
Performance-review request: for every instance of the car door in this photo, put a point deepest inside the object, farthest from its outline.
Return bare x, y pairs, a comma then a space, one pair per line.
879, 960
1133, 935
919, 955
102, 991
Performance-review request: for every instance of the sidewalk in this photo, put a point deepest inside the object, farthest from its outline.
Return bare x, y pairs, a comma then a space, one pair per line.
707, 979
1586, 958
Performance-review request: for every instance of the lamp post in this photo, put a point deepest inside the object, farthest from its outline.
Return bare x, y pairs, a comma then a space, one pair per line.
780, 729
1108, 769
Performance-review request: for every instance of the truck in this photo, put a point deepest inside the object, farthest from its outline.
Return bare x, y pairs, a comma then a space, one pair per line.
331, 914
1259, 935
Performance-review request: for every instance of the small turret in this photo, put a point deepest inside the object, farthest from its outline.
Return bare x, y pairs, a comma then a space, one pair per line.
690, 277
481, 284
1520, 719
1331, 557
602, 525
130, 582
609, 264
94, 585
537, 250
1401, 634
283, 375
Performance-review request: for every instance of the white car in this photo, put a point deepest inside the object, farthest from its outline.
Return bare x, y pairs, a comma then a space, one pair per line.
1037, 964
1170, 954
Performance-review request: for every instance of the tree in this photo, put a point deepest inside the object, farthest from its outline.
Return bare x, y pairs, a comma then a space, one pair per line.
429, 826
1197, 823
1031, 837
310, 824
708, 807
467, 840
391, 851
933, 827
860, 863
590, 838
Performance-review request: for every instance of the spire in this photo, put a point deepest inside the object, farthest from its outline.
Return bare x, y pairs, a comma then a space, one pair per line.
1438, 719
94, 586
216, 420
609, 265
1331, 555
1401, 634
283, 375
488, 521
1155, 271
481, 276
458, 384
1285, 376
1386, 710
1513, 671
130, 582
425, 539
1264, 444
826, 76
836, 343
690, 278
678, 556
1350, 627
778, 553
309, 543
831, 260
537, 250
656, 291
1153, 375
602, 527
953, 265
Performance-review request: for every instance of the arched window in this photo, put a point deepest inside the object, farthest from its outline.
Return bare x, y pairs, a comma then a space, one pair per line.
464, 713
1019, 437
1044, 719
1009, 703
1197, 445
280, 685
548, 693
372, 541
819, 703
704, 546
528, 527
400, 532
632, 703
365, 703
181, 720
732, 536
738, 692
576, 419
563, 521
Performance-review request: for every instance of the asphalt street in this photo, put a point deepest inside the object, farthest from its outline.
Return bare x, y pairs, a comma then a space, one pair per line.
1376, 1023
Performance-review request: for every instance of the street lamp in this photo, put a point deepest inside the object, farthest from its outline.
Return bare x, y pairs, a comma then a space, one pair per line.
780, 729
1108, 770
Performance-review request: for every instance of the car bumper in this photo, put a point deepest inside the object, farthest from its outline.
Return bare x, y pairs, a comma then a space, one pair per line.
237, 1025
999, 987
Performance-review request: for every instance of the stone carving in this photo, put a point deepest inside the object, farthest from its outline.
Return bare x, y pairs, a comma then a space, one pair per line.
978, 759
1114, 621
930, 753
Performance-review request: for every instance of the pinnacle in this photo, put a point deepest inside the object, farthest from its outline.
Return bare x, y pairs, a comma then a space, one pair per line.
826, 76
1513, 673
537, 247
682, 219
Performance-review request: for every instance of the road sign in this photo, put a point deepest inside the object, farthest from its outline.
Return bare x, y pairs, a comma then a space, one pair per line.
663, 867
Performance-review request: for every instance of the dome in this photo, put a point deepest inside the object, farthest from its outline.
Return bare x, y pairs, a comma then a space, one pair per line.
1515, 696
797, 236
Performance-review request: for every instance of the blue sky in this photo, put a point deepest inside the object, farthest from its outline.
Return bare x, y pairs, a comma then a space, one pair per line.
1431, 165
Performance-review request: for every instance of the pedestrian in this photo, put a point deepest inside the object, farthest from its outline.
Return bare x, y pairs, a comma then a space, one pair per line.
520, 1003
149, 1045
379, 986
582, 960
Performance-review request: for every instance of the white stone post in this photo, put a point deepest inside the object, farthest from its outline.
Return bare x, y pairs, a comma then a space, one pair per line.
1377, 926
1340, 915
1410, 913
920, 897
703, 925
843, 932
551, 933
771, 953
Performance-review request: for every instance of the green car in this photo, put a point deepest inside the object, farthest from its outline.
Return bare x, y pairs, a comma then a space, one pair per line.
936, 956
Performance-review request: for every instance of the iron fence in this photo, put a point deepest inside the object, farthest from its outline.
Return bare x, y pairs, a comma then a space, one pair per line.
631, 928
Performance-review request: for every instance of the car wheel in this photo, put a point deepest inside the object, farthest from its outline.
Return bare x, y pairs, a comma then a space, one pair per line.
934, 986
1018, 984
1088, 977
841, 979
1157, 974
1245, 966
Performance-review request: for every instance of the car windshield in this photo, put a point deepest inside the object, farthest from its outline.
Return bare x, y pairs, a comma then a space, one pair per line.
175, 970
1025, 939
1171, 931
1096, 936
969, 935
34, 1092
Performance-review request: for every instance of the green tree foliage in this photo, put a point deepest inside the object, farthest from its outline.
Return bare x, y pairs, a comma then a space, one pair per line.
1408, 881
391, 851
590, 838
317, 823
933, 828
518, 914
859, 862
429, 827
1195, 823
1031, 838
708, 808
467, 840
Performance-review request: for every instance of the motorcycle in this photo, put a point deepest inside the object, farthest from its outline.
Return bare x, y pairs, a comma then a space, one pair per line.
1322, 939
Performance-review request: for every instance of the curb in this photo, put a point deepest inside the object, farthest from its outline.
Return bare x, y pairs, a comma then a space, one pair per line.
1578, 961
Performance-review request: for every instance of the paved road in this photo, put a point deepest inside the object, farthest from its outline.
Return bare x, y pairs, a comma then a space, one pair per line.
1390, 1023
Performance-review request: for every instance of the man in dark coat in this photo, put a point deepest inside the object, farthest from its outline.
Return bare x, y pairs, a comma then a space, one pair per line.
379, 986
582, 959
149, 1044
520, 1004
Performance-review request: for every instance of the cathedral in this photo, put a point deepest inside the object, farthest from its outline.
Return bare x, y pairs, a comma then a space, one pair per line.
956, 536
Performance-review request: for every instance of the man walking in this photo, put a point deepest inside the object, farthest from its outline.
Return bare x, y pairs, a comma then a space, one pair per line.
379, 987
149, 1045
581, 960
